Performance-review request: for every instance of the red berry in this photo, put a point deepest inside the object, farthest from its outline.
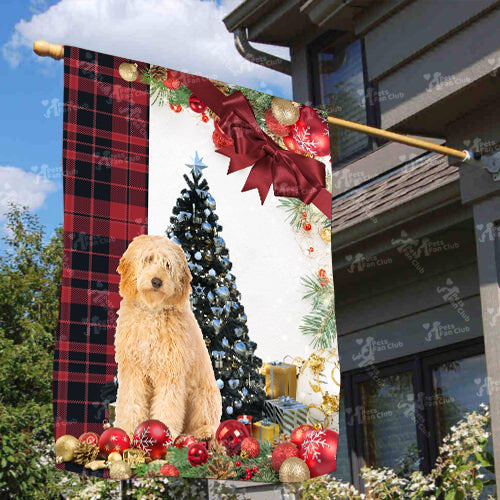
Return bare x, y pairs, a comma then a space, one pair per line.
322, 273
322, 283
247, 471
311, 249
238, 463
254, 469
307, 226
205, 118
241, 479
304, 215
327, 280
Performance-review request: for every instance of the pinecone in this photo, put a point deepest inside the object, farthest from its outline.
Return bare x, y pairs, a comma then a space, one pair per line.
217, 450
85, 453
153, 473
221, 468
157, 73
282, 438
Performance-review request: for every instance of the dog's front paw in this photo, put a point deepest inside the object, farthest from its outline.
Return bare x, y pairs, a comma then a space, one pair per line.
204, 432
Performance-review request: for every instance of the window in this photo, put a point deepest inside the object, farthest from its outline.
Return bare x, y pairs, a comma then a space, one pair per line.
397, 413
339, 85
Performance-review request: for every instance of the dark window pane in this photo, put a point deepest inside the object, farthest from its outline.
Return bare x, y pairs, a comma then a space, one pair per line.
342, 90
388, 418
459, 388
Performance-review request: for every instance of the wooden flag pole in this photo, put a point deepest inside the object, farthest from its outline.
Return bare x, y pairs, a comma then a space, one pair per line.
45, 49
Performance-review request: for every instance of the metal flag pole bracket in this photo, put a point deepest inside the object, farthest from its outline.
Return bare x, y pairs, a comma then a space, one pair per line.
490, 162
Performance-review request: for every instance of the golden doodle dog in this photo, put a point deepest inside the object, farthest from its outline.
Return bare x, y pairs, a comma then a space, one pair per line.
164, 370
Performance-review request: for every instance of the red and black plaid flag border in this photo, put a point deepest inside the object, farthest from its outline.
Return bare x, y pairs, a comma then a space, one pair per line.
106, 127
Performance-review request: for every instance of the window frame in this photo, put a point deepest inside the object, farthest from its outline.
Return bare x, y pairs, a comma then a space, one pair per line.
339, 39
420, 364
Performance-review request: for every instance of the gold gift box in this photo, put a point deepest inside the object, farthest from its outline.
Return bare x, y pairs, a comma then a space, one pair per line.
264, 430
112, 411
281, 380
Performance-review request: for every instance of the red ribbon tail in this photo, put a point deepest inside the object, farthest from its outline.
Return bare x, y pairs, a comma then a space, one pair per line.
261, 178
323, 201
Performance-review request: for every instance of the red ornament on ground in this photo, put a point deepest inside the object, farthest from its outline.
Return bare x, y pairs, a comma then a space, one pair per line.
281, 453
113, 439
310, 133
184, 440
251, 446
196, 104
197, 454
171, 82
169, 470
231, 434
274, 125
153, 437
300, 433
319, 451
89, 438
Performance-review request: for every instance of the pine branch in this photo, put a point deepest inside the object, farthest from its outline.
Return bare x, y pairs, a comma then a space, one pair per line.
320, 324
321, 295
294, 208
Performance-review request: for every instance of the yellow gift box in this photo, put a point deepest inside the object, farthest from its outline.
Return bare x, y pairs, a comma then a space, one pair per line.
281, 380
265, 430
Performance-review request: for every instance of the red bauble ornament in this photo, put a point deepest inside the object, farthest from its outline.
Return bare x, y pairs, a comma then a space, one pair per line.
281, 453
274, 125
231, 434
113, 439
171, 82
291, 144
169, 470
89, 438
220, 138
311, 133
319, 451
153, 437
300, 433
251, 446
196, 104
184, 440
197, 454
307, 226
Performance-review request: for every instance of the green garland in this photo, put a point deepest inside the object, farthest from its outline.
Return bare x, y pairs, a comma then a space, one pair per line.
178, 457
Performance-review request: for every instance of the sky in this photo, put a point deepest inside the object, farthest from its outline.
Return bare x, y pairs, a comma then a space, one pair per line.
187, 35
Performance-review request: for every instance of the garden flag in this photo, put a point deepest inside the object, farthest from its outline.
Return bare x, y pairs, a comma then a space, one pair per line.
197, 327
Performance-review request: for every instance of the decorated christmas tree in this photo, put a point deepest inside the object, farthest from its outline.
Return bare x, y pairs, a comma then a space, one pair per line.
215, 298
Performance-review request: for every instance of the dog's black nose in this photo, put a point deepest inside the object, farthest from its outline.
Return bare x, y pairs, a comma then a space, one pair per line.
156, 282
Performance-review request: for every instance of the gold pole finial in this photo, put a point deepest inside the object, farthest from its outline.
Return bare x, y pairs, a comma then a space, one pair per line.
43, 48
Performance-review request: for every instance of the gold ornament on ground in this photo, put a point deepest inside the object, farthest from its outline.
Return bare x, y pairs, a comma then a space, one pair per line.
157, 73
114, 456
285, 111
96, 464
85, 453
294, 470
120, 470
128, 71
326, 234
65, 447
134, 456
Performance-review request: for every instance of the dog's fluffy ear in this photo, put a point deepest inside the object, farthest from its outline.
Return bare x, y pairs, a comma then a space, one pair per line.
182, 275
127, 271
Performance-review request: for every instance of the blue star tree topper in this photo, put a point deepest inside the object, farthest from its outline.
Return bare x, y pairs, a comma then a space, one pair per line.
197, 165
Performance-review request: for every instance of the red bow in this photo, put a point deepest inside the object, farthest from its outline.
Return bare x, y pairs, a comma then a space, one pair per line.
290, 174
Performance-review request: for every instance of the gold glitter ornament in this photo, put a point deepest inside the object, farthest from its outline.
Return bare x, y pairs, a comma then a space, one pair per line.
120, 470
65, 447
96, 464
285, 111
128, 71
294, 470
114, 456
326, 234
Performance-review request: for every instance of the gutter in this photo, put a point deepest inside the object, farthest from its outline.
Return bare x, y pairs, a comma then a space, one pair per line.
258, 56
